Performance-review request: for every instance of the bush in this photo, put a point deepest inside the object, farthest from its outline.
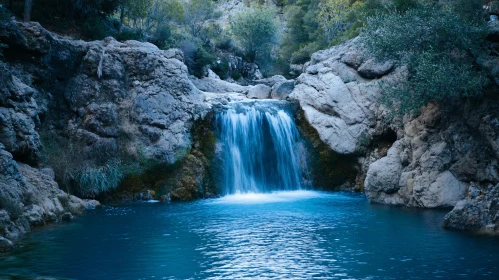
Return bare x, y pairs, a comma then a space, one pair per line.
256, 30
236, 75
437, 46
196, 57
162, 37
129, 34
95, 28
221, 68
93, 180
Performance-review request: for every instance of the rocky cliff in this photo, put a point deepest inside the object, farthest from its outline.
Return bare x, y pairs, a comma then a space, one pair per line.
433, 158
83, 104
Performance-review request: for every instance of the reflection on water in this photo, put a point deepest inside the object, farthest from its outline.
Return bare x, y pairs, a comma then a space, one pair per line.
283, 235
261, 198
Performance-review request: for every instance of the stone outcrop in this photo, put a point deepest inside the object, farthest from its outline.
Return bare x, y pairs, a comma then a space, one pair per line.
105, 98
435, 156
338, 101
30, 197
478, 212
104, 90
218, 86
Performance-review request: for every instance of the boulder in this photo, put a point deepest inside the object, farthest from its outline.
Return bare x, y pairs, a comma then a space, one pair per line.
383, 177
479, 211
271, 81
331, 109
259, 92
282, 90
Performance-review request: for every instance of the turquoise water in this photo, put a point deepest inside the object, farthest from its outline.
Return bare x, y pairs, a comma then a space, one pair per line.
288, 235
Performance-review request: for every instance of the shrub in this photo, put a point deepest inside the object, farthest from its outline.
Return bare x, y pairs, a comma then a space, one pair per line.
256, 30
95, 28
196, 57
221, 68
93, 180
235, 74
437, 46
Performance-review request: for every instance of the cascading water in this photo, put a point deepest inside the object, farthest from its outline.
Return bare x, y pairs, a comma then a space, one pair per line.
261, 148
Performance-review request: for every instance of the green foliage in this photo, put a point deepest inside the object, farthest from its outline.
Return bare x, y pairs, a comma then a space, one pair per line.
91, 180
221, 68
129, 34
402, 35
95, 28
437, 46
196, 57
75, 10
471, 10
256, 30
303, 33
332, 17
198, 13
236, 75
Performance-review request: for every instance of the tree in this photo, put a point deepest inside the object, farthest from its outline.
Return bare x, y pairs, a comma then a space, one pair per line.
332, 17
256, 30
197, 13
439, 49
303, 35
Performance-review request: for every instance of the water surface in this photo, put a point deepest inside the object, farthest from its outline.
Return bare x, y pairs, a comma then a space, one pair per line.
286, 235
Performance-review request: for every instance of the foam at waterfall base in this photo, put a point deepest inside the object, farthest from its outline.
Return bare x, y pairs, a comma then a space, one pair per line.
273, 197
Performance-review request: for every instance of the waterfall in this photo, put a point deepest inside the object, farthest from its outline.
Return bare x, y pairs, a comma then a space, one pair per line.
260, 147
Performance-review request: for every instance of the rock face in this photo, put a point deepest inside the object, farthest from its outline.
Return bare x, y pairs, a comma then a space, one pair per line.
30, 197
337, 100
104, 97
478, 212
434, 156
218, 86
101, 91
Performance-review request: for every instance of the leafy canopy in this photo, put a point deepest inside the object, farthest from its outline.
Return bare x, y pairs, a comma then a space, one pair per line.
256, 30
439, 49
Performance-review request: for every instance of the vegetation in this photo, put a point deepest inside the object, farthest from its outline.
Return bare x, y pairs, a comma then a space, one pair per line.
438, 47
257, 32
432, 38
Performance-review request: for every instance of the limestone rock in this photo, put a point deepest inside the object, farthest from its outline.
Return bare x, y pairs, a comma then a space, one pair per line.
30, 197
259, 92
271, 81
476, 212
371, 69
217, 85
383, 175
282, 90
436, 154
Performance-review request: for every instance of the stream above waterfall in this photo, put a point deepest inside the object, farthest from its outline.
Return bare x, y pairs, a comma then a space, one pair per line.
283, 235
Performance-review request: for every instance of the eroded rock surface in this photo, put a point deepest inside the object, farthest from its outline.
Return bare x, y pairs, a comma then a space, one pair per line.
106, 98
478, 212
30, 197
435, 156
